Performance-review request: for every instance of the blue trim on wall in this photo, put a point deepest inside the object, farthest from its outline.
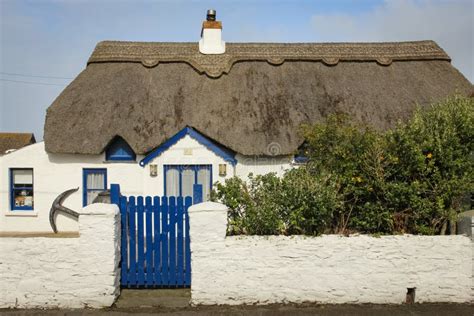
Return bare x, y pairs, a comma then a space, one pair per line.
219, 150
12, 194
119, 150
87, 171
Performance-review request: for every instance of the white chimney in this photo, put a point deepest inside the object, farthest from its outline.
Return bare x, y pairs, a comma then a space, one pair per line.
211, 35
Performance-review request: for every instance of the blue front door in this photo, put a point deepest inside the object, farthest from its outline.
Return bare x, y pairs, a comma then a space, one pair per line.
188, 180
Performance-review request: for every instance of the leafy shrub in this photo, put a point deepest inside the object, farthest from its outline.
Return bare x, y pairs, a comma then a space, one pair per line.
412, 179
297, 203
353, 155
433, 166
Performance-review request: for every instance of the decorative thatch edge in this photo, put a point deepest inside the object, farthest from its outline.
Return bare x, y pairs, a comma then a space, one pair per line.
152, 54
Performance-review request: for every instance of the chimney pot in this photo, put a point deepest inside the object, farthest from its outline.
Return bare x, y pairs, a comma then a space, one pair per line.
211, 15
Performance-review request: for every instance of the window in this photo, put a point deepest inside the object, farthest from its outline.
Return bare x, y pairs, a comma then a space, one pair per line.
94, 182
119, 150
180, 180
301, 156
21, 187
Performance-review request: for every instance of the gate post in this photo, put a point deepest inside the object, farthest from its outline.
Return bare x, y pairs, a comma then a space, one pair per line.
208, 225
115, 194
197, 193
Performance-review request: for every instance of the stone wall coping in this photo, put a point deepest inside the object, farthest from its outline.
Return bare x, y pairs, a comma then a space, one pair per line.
100, 209
208, 207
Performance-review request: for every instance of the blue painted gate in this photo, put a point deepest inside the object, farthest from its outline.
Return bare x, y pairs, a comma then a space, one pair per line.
155, 240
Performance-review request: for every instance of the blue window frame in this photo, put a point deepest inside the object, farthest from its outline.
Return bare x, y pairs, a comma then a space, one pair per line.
119, 150
301, 156
94, 181
21, 189
179, 180
301, 159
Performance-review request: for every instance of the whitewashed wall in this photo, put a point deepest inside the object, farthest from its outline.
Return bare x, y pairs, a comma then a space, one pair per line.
262, 165
52, 175
187, 151
56, 173
326, 269
41, 272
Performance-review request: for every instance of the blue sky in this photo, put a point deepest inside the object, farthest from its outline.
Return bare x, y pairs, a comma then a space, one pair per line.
43, 39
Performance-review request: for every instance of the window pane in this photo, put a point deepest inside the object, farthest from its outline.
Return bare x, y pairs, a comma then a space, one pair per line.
120, 150
23, 176
23, 197
91, 195
172, 182
22, 189
96, 181
188, 182
204, 178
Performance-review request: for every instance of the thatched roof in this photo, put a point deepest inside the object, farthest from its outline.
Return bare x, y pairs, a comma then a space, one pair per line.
10, 141
250, 99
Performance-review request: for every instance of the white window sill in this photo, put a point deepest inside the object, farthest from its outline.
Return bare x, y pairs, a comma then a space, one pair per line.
22, 213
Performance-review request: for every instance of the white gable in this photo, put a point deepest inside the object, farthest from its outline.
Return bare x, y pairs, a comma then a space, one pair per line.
187, 151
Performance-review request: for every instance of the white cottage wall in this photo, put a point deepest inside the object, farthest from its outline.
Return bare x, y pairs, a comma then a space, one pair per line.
187, 151
259, 165
52, 175
56, 173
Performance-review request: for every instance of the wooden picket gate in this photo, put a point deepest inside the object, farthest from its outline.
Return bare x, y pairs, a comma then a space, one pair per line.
155, 240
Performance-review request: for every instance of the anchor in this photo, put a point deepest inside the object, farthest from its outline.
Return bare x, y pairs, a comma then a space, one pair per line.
58, 207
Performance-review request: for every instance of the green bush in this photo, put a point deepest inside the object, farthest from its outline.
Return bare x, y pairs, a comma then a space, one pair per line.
433, 166
354, 156
297, 203
415, 179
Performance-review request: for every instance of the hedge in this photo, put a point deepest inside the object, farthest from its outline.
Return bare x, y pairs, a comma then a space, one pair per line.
415, 178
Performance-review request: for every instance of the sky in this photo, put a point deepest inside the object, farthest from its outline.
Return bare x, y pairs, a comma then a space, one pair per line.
45, 44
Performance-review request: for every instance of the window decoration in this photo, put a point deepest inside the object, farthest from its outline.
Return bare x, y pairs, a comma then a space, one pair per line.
94, 182
119, 150
22, 196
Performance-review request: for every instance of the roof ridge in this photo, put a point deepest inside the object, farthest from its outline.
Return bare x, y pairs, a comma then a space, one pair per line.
150, 54
15, 133
269, 43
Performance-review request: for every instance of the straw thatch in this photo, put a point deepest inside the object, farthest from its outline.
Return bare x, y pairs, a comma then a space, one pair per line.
250, 99
12, 141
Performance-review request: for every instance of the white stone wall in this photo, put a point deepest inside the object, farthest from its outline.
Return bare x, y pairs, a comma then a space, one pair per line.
326, 269
42, 272
56, 173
